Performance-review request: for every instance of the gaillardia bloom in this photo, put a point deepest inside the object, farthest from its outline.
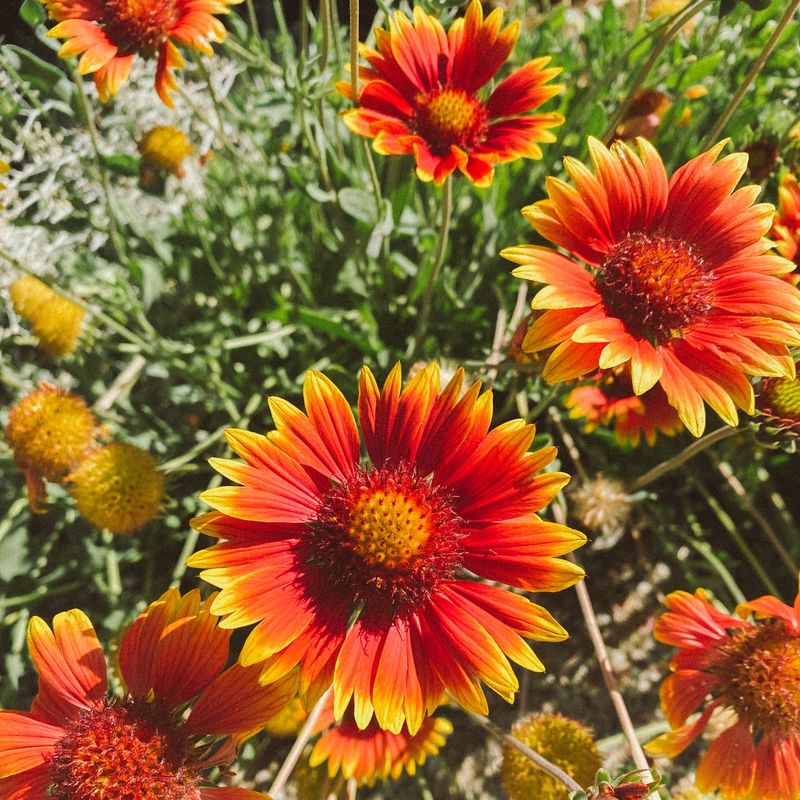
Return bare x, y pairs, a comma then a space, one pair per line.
564, 742
677, 280
786, 227
421, 96
181, 714
49, 430
746, 670
778, 410
364, 575
107, 34
374, 754
117, 487
55, 320
610, 401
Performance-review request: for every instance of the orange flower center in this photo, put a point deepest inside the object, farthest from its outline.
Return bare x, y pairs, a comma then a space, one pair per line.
760, 677
123, 750
139, 26
656, 285
446, 117
386, 537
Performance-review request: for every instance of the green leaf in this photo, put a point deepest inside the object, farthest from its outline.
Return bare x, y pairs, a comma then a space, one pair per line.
358, 204
122, 164
703, 67
47, 78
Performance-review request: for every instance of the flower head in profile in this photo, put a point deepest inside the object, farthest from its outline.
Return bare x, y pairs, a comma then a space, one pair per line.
49, 430
778, 410
373, 754
55, 320
117, 487
107, 34
180, 714
672, 278
564, 742
747, 670
364, 575
421, 95
610, 401
786, 227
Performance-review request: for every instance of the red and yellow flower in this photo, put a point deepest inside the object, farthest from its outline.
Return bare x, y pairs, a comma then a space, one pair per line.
747, 670
786, 227
107, 34
361, 573
677, 280
374, 754
79, 743
421, 95
610, 401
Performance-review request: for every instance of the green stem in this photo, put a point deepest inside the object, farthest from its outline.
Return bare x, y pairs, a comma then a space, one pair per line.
685, 455
641, 76
354, 50
325, 22
117, 242
757, 66
253, 20
537, 758
37, 594
438, 261
113, 578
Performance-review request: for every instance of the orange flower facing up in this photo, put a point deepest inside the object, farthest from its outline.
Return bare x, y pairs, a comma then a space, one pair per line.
374, 754
748, 671
677, 280
364, 575
421, 96
77, 743
610, 400
107, 34
786, 227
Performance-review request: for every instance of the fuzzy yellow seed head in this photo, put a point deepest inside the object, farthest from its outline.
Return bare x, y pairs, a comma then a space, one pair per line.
165, 148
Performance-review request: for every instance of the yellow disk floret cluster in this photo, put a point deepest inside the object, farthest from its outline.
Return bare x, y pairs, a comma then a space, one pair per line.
55, 320
165, 148
118, 487
563, 741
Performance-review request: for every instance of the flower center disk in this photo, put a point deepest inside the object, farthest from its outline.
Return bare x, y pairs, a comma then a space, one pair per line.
446, 117
139, 25
387, 535
657, 286
760, 675
781, 397
122, 751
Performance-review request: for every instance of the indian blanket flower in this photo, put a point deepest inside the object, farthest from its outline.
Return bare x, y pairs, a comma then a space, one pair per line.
374, 754
181, 712
676, 279
49, 430
564, 742
747, 670
778, 410
364, 574
117, 487
107, 34
786, 227
422, 96
610, 401
55, 320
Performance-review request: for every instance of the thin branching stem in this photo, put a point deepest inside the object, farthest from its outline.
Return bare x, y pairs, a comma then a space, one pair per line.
752, 74
536, 758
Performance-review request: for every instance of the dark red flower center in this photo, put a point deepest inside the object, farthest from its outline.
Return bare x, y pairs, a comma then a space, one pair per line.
386, 537
139, 26
123, 751
447, 116
760, 677
656, 285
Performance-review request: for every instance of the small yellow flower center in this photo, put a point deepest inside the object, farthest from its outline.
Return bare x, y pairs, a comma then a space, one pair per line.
122, 751
165, 148
139, 26
781, 398
656, 285
389, 527
760, 677
447, 117
385, 537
